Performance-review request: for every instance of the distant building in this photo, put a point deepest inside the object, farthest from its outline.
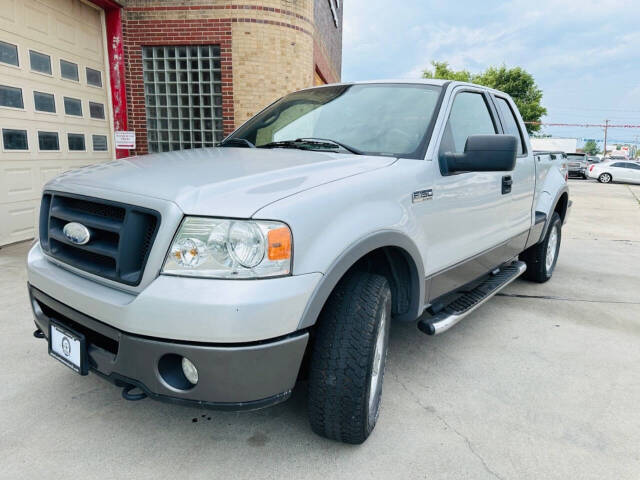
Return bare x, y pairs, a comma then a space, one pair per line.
555, 144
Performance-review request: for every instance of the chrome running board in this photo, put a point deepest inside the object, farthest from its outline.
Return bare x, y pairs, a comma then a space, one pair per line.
462, 306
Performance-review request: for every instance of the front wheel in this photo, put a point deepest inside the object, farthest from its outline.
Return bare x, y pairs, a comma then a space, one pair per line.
348, 358
541, 258
605, 178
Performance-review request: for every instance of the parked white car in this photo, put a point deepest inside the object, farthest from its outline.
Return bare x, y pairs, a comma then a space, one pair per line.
616, 171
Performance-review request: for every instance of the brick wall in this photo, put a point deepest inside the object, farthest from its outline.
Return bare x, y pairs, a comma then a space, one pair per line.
268, 48
328, 41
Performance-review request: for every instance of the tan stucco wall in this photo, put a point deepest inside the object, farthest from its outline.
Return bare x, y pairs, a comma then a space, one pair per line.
268, 62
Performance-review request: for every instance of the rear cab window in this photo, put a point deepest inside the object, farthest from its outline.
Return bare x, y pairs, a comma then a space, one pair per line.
510, 123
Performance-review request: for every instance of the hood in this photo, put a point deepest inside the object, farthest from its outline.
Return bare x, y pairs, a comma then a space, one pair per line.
231, 182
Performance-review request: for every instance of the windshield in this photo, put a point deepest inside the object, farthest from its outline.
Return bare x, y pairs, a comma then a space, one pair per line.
375, 119
575, 157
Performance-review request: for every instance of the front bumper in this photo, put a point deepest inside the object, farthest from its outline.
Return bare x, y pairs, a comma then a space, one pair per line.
180, 308
236, 377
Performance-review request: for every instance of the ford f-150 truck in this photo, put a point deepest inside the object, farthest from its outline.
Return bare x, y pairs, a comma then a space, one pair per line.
218, 277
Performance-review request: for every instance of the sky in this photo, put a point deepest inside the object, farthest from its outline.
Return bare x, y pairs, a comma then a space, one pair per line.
584, 55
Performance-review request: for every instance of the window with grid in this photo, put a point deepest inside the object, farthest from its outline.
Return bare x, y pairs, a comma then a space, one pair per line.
183, 96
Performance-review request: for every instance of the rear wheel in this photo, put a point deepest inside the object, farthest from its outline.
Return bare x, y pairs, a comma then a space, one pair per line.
605, 178
348, 358
541, 258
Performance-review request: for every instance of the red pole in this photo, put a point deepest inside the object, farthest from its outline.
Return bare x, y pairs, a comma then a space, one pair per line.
116, 72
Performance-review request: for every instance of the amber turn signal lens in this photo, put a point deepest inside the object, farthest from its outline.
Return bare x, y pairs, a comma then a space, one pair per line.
279, 241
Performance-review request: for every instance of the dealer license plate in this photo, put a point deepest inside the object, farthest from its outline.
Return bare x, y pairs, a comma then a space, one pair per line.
68, 347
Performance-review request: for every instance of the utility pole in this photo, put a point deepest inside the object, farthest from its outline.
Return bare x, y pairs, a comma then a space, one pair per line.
606, 127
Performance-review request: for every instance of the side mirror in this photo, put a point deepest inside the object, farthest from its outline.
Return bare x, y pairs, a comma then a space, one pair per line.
484, 153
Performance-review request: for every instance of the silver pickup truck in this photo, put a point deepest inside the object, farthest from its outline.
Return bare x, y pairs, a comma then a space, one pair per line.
219, 277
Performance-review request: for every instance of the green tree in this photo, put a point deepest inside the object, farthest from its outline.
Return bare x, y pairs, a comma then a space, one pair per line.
441, 70
517, 82
591, 147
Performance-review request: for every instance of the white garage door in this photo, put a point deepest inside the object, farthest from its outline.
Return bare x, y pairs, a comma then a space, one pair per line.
54, 105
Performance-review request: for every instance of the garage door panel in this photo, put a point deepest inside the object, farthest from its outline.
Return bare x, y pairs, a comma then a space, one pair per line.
66, 31
20, 183
20, 221
8, 10
63, 29
36, 19
49, 173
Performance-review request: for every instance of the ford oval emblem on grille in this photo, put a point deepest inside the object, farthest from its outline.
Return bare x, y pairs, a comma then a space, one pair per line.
77, 233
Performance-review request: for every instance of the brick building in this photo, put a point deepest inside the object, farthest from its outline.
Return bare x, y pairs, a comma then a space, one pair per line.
179, 73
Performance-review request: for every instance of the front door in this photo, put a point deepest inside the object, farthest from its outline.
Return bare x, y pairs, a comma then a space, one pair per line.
468, 214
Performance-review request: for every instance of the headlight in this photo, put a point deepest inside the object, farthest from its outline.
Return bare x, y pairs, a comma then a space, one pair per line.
220, 248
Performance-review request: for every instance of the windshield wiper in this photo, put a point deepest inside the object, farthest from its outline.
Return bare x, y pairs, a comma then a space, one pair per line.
235, 141
312, 144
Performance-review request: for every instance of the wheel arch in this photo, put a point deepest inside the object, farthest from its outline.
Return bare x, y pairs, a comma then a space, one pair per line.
560, 205
388, 253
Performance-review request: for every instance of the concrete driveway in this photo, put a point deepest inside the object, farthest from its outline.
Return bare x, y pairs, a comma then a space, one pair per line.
543, 382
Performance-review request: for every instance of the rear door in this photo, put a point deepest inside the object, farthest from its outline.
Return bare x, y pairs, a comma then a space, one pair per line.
619, 172
633, 172
519, 212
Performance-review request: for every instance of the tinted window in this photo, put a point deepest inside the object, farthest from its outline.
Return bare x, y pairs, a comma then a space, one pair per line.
44, 102
618, 164
48, 141
40, 62
72, 106
96, 110
100, 143
76, 141
8, 53
635, 166
94, 77
511, 124
69, 70
15, 139
469, 116
11, 97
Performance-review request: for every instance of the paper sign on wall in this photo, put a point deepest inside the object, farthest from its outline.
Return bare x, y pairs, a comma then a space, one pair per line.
125, 140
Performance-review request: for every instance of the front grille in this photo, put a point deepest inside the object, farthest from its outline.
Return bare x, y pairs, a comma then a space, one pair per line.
121, 235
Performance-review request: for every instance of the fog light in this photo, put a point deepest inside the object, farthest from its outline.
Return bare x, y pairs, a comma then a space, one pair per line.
190, 371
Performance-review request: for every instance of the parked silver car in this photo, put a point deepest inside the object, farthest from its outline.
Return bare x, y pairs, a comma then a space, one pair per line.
577, 165
616, 171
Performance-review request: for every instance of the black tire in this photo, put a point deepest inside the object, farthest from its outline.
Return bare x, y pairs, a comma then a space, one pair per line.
605, 178
342, 358
536, 256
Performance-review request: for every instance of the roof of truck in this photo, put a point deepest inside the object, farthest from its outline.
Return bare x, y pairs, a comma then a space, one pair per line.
411, 81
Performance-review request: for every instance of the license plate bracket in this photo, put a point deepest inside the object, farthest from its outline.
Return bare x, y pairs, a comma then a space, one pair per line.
68, 347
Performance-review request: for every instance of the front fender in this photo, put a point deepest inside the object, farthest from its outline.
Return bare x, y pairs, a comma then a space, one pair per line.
336, 224
353, 253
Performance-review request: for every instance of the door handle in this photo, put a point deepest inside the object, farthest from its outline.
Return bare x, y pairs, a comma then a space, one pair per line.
507, 181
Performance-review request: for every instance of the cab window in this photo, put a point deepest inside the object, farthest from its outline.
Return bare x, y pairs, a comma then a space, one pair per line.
469, 116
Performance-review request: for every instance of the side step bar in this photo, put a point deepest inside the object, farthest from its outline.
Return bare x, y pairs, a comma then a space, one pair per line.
472, 299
